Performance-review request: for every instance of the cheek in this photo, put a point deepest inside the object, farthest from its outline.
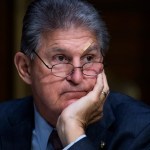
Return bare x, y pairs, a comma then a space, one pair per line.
90, 82
47, 93
43, 80
49, 87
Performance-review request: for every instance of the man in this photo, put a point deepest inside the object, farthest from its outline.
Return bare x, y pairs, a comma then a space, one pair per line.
61, 58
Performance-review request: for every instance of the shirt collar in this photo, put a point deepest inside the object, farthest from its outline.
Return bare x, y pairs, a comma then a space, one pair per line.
42, 129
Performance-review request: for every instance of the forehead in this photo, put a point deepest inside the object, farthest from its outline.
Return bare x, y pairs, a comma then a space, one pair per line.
77, 38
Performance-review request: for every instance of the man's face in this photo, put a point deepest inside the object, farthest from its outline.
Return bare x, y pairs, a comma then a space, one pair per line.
51, 93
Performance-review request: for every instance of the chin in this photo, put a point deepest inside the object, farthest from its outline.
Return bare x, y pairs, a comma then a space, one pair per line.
69, 102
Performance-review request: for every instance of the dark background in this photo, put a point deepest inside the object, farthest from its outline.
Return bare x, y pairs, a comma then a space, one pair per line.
127, 68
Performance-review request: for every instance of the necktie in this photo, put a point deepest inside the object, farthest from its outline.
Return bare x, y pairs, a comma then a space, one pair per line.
55, 141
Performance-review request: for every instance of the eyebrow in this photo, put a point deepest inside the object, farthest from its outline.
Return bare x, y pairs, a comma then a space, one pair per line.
92, 46
56, 49
52, 50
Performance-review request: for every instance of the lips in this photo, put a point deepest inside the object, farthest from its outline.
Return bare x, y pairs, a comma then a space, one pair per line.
73, 94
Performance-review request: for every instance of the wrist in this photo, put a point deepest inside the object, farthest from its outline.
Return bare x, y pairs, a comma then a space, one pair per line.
69, 130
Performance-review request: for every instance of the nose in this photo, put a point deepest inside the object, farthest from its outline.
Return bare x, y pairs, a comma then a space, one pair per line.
76, 76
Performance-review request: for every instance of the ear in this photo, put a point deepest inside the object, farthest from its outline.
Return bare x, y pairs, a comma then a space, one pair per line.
23, 64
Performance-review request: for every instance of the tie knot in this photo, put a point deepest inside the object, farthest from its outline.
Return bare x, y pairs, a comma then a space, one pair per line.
54, 140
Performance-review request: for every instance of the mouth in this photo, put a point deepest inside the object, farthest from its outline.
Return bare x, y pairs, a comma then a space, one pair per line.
73, 95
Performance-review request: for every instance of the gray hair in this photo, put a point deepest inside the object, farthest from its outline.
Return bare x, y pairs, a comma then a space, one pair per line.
49, 15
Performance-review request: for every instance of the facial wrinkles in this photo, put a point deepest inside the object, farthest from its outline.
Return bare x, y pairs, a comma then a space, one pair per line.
48, 82
69, 48
45, 78
76, 39
68, 91
75, 45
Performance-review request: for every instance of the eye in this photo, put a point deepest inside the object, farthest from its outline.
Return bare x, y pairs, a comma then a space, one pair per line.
60, 59
88, 58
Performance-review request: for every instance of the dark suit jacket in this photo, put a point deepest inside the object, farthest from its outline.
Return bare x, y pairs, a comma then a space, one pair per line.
125, 126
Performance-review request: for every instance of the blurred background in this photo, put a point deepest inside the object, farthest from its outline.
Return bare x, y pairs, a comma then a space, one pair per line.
127, 62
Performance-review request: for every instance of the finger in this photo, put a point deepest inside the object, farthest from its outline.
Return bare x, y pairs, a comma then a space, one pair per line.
99, 85
106, 87
95, 119
105, 90
98, 110
96, 114
103, 96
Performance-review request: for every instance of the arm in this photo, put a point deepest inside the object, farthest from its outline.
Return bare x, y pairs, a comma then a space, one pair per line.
77, 116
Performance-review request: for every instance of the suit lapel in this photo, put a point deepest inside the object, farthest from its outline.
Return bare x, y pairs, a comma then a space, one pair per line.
13, 142
20, 124
98, 132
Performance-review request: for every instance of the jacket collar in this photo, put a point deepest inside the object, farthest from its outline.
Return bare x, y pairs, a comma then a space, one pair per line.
21, 121
99, 131
17, 133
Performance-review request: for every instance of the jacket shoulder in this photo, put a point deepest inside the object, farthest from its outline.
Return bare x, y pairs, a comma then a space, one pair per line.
14, 111
123, 101
129, 113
